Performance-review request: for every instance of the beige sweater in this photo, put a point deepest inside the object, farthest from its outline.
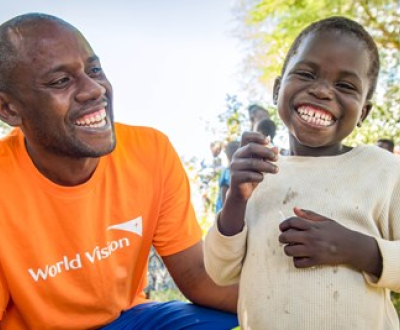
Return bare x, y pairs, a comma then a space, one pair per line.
361, 190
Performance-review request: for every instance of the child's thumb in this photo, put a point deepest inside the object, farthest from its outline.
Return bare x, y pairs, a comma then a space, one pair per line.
307, 214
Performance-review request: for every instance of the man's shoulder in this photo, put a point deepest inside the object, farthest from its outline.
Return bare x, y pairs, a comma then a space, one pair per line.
140, 141
127, 133
9, 144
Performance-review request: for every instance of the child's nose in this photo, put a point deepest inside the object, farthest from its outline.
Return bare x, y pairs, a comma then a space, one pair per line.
321, 90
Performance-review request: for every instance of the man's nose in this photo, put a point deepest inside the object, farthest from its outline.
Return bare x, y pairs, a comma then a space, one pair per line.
89, 89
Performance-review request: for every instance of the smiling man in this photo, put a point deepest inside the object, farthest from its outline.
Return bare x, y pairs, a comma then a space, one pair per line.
83, 199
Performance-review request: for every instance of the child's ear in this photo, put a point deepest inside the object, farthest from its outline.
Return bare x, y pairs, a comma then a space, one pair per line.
364, 112
277, 86
7, 112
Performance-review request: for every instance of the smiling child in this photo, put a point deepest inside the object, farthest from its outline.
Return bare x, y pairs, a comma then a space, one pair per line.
333, 259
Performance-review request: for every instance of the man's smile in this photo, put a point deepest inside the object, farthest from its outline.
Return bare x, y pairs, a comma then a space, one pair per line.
94, 119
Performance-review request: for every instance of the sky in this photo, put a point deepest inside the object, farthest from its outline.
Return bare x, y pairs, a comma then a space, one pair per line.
171, 63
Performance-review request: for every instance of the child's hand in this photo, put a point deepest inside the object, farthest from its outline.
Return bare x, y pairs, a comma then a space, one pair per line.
249, 162
313, 239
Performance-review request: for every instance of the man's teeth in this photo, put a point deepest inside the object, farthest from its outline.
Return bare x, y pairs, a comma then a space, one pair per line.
315, 116
95, 119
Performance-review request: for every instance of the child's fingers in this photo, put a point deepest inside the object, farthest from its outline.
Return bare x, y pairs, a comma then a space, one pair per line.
304, 262
295, 250
291, 236
254, 137
294, 223
240, 177
256, 151
252, 165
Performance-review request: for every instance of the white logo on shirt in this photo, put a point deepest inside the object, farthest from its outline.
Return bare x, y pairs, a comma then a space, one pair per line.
133, 226
99, 253
67, 264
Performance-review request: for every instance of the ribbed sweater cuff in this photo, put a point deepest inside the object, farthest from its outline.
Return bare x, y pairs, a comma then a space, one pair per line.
224, 255
390, 277
229, 245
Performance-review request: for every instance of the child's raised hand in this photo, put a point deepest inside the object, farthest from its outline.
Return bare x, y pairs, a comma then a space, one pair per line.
254, 158
248, 165
313, 239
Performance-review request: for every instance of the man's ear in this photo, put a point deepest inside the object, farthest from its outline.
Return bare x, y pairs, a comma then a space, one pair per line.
277, 86
7, 112
364, 112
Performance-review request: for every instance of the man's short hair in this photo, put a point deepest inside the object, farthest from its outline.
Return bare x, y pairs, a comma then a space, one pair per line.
8, 51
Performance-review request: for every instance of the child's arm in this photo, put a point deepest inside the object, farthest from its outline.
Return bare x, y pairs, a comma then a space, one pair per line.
312, 239
225, 248
249, 163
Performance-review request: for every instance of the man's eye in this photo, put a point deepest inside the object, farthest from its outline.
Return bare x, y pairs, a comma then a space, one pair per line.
96, 70
60, 82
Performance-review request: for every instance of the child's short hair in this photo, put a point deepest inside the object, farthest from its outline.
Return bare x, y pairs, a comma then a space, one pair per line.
344, 25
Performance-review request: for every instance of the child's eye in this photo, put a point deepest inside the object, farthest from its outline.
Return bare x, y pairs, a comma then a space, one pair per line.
305, 74
345, 85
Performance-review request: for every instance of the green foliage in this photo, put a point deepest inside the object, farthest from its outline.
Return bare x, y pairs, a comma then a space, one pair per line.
233, 118
396, 301
167, 295
4, 128
270, 26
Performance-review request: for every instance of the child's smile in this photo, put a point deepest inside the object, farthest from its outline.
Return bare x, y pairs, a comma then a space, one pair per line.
315, 116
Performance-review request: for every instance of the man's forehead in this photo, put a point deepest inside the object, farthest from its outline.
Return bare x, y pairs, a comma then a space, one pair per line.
47, 39
49, 49
38, 31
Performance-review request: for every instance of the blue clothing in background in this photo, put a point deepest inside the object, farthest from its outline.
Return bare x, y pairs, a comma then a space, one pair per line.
224, 180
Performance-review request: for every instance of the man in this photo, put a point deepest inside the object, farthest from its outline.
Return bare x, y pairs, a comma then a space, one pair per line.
82, 200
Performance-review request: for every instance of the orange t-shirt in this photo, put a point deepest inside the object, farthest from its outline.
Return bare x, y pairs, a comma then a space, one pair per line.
75, 257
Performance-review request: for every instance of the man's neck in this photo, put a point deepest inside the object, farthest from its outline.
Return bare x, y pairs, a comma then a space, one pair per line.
65, 171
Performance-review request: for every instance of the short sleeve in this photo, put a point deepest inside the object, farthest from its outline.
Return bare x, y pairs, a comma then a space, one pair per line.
177, 228
4, 295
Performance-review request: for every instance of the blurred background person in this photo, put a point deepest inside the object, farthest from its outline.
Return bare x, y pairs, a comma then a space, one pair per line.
256, 114
224, 180
387, 144
266, 127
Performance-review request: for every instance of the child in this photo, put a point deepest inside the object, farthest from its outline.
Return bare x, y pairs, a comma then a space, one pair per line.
317, 246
